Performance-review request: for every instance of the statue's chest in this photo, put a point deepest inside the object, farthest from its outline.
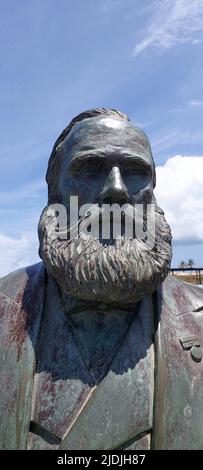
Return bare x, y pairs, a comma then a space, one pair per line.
73, 410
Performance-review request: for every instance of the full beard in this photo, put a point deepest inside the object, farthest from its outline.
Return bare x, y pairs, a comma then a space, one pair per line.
119, 273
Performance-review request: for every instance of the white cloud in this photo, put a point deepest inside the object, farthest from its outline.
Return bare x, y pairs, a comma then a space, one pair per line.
179, 192
15, 254
177, 137
172, 22
165, 141
195, 103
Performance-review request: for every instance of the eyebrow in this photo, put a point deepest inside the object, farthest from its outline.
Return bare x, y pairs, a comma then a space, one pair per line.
100, 156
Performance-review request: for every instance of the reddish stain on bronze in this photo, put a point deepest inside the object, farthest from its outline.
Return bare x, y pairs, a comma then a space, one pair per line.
19, 314
16, 327
182, 300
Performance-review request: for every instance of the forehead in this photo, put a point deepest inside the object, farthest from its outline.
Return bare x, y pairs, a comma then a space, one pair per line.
107, 135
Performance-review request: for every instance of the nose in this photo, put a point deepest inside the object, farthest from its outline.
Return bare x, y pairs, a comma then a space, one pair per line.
114, 190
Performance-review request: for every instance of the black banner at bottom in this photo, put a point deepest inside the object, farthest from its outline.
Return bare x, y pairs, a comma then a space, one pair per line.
100, 459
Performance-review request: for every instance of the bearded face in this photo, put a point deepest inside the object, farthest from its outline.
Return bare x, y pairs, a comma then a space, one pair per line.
104, 161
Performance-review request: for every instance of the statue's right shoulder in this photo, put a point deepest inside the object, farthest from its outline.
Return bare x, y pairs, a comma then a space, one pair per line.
21, 305
14, 285
21, 310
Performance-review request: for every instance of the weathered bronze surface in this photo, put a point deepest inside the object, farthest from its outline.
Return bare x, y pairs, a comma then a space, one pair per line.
101, 350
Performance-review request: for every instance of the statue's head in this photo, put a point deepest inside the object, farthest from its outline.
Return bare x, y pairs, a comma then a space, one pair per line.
99, 160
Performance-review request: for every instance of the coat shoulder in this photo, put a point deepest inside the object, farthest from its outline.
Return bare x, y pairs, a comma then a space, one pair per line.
15, 285
183, 297
21, 310
178, 423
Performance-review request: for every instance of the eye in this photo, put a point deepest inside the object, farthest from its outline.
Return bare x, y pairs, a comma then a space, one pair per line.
90, 167
139, 171
145, 171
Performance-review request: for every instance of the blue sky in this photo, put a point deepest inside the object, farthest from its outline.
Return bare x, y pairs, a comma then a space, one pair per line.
60, 57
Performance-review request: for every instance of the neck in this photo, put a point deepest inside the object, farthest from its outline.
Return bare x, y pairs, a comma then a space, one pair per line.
74, 305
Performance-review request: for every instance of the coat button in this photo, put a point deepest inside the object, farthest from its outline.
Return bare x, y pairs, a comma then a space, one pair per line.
196, 353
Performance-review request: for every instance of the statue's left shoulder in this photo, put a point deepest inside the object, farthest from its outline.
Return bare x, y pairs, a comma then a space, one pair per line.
181, 297
178, 422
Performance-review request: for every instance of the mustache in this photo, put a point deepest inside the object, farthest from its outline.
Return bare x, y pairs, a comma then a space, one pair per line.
135, 222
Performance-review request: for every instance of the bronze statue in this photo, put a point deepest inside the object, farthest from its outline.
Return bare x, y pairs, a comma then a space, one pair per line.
100, 346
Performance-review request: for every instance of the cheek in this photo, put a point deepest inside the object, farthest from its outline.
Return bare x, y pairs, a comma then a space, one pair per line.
144, 195
85, 189
135, 184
